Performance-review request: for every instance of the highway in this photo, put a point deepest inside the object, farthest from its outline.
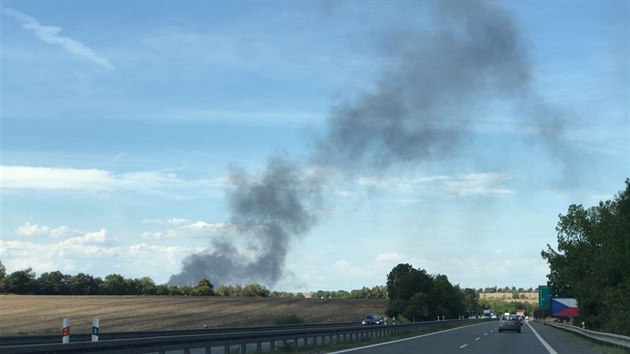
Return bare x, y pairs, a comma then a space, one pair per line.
535, 338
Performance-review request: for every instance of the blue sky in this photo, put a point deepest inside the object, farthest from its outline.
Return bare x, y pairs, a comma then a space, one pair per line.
136, 137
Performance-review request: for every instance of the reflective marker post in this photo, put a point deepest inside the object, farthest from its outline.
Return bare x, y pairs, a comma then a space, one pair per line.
95, 329
66, 331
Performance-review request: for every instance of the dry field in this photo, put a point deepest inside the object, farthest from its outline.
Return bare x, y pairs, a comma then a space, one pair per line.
529, 297
26, 314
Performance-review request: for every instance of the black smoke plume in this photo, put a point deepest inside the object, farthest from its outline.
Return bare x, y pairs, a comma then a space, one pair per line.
421, 108
436, 82
270, 210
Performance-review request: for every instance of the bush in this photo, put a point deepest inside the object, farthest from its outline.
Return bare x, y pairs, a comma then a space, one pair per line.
289, 320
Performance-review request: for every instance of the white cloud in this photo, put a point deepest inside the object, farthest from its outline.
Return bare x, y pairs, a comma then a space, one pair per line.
95, 180
96, 253
478, 184
99, 237
29, 229
183, 228
50, 35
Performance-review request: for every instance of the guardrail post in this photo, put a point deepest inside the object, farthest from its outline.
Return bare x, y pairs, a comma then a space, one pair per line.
66, 331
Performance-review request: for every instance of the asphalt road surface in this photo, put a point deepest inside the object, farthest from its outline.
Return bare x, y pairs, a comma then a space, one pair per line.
535, 338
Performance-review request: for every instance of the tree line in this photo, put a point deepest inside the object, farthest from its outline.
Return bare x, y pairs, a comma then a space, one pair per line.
26, 282
592, 262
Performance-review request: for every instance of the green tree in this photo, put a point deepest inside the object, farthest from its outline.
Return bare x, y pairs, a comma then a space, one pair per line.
53, 283
411, 293
116, 284
254, 290
85, 284
592, 262
203, 288
471, 299
147, 286
229, 290
20, 282
3, 275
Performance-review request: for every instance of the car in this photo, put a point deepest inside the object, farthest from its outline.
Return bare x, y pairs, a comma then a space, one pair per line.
372, 319
509, 323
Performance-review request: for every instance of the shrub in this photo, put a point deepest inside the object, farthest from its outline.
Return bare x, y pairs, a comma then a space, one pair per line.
288, 320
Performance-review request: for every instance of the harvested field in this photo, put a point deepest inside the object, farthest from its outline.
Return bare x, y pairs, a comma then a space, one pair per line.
31, 314
528, 297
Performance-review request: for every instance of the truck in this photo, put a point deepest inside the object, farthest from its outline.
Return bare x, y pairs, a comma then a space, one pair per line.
520, 312
487, 314
564, 307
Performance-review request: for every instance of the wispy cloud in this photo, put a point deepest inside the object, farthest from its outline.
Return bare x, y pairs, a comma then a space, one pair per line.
479, 184
50, 35
62, 178
484, 183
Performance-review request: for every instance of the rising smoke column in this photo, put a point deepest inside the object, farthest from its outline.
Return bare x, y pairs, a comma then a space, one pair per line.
420, 110
270, 210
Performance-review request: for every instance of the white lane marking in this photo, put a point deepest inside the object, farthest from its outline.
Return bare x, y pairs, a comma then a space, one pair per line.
485, 334
463, 346
402, 340
478, 338
542, 341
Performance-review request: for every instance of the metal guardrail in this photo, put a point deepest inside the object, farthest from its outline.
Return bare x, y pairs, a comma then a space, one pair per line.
606, 338
266, 340
7, 340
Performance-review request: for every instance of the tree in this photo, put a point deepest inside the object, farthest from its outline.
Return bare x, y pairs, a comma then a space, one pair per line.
592, 263
115, 284
3, 274
471, 299
203, 288
416, 295
20, 282
394, 279
229, 290
84, 284
255, 290
147, 286
53, 283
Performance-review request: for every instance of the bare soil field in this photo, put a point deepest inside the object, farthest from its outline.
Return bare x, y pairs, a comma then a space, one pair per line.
32, 314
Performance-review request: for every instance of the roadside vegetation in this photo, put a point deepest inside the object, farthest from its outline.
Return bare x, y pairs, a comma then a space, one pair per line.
592, 263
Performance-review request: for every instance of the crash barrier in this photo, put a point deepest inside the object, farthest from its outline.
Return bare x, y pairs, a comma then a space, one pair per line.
257, 340
606, 338
84, 337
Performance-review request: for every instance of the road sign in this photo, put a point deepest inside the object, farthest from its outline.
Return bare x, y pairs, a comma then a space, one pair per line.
544, 297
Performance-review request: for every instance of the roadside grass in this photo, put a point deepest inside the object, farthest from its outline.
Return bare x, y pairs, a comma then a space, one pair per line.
598, 347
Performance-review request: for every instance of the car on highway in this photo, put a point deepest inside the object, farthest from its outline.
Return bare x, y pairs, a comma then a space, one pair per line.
510, 323
373, 319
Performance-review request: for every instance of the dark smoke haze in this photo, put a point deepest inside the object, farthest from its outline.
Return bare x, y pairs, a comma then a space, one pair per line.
422, 107
420, 110
271, 209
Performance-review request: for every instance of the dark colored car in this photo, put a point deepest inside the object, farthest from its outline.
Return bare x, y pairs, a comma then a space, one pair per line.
509, 323
372, 319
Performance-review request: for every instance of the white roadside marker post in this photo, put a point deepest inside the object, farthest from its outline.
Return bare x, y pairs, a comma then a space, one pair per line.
66, 330
95, 329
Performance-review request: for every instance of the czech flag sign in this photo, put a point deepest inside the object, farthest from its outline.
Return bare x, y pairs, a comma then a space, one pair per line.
564, 308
